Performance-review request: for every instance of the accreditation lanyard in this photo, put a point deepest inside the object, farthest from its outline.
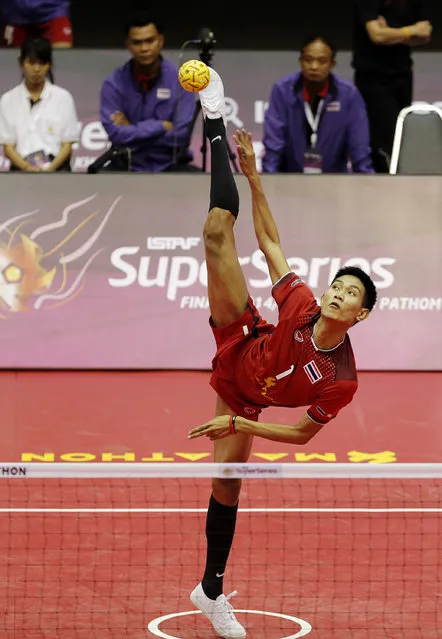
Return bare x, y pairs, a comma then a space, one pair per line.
313, 121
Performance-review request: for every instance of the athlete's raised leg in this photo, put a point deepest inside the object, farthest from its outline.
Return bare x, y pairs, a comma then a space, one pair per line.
227, 288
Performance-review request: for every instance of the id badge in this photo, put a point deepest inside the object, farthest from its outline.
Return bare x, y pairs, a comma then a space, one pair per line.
312, 162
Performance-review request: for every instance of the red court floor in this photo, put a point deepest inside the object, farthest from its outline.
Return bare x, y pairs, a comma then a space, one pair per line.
351, 574
146, 416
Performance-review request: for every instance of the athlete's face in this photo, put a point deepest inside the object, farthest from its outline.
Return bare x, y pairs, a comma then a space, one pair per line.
343, 301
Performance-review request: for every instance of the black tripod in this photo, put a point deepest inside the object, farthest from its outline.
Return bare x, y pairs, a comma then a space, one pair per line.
206, 57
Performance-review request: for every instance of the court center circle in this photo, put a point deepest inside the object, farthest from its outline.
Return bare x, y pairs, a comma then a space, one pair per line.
154, 625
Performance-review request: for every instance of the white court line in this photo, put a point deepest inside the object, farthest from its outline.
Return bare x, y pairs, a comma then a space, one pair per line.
204, 510
154, 625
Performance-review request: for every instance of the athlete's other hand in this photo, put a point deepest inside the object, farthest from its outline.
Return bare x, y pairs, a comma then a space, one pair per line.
246, 153
217, 428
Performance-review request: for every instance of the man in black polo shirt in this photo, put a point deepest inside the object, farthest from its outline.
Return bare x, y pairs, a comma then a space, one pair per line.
384, 32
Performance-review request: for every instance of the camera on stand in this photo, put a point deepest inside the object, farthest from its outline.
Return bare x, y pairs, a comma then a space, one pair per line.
206, 42
206, 39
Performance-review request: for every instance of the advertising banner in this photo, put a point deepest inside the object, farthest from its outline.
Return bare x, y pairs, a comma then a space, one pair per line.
109, 271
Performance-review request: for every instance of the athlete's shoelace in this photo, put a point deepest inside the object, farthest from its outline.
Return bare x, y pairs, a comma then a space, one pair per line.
228, 606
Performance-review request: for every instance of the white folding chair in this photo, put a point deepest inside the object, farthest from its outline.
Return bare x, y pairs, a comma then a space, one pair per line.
417, 147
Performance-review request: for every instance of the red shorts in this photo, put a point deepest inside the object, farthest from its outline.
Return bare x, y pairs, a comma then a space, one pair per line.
56, 30
230, 343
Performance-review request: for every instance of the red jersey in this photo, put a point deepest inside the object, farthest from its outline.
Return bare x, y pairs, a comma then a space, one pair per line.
281, 365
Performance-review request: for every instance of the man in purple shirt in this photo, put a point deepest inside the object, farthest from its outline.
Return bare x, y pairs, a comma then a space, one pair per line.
25, 18
316, 122
142, 105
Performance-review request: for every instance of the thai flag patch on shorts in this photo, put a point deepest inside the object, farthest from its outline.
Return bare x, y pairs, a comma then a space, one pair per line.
313, 372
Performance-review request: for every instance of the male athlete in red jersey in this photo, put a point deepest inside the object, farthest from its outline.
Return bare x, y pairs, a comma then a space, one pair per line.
305, 360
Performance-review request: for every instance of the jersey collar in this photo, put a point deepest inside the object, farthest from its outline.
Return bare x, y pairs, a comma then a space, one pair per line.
323, 350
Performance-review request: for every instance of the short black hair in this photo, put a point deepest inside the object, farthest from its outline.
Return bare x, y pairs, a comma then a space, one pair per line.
370, 289
312, 38
36, 48
140, 18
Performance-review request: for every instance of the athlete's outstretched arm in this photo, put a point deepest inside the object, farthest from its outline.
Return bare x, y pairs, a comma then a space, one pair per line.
300, 433
265, 227
330, 401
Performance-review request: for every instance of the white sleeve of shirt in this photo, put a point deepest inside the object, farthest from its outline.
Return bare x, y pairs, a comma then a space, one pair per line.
70, 126
7, 129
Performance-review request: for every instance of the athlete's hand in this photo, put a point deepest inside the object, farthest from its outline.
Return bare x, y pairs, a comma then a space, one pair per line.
246, 153
217, 428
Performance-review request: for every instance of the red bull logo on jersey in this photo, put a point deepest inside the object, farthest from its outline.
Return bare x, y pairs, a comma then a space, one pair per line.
268, 383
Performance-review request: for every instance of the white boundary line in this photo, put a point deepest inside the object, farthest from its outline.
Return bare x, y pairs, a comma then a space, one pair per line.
192, 470
153, 626
204, 510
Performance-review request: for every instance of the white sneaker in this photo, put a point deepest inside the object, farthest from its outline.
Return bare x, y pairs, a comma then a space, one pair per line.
212, 98
219, 613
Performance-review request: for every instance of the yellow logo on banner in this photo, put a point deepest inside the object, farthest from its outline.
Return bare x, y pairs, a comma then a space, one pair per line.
353, 456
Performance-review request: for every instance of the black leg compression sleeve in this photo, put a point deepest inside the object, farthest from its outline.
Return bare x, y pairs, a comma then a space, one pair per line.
220, 529
223, 191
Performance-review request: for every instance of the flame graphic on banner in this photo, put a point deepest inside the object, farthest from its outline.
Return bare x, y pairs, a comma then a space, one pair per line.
25, 284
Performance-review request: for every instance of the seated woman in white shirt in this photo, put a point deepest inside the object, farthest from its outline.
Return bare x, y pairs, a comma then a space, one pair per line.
38, 119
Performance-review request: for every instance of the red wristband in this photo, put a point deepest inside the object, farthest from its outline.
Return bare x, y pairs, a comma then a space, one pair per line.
232, 421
